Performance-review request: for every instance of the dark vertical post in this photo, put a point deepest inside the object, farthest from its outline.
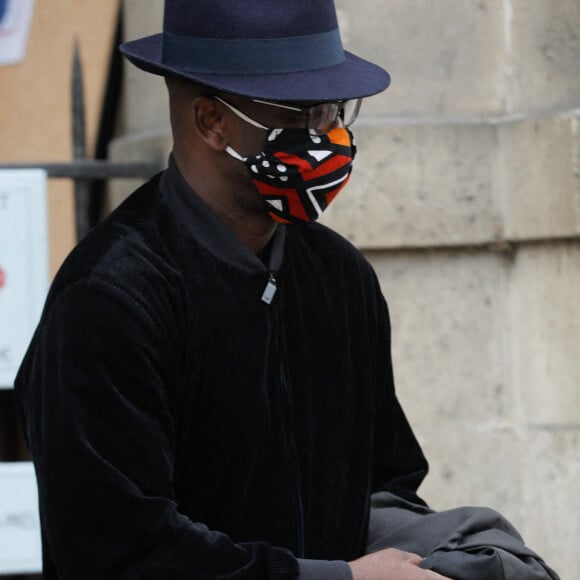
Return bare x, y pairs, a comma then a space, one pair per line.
108, 119
82, 186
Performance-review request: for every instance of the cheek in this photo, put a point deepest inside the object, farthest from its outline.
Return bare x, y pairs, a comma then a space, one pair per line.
250, 142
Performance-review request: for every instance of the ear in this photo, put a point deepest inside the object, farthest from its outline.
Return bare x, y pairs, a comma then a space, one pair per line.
209, 122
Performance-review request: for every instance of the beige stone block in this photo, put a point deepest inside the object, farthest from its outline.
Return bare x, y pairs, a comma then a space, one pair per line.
421, 185
142, 17
461, 184
449, 342
544, 54
444, 56
540, 182
145, 102
145, 146
551, 502
545, 283
474, 467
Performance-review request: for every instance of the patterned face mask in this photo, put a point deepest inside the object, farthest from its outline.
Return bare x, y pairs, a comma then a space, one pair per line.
299, 173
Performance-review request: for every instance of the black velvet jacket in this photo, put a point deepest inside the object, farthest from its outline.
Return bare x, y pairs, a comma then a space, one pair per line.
183, 428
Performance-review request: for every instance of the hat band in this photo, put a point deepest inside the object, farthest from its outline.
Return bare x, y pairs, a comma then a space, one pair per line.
253, 56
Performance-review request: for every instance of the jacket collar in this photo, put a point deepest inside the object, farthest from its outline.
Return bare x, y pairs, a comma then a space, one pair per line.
205, 227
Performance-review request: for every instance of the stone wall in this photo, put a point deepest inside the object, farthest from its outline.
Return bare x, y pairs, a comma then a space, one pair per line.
466, 198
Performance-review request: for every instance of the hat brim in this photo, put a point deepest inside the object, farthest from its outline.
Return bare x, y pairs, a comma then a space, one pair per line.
353, 78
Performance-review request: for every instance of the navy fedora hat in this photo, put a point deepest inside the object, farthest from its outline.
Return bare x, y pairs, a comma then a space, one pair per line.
286, 50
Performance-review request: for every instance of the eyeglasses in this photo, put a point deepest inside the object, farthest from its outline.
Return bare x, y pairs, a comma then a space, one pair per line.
320, 118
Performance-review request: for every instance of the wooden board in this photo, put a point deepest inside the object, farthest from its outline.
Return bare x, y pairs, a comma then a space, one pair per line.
35, 98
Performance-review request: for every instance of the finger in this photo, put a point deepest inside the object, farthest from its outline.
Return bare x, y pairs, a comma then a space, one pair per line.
413, 558
436, 576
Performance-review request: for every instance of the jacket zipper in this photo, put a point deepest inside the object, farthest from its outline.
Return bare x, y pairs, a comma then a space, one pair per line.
270, 290
267, 297
294, 460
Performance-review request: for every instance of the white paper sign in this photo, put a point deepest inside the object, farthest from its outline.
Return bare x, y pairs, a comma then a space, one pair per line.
20, 544
15, 18
23, 264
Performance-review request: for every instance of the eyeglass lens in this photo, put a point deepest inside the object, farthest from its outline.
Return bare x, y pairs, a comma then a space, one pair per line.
323, 116
350, 111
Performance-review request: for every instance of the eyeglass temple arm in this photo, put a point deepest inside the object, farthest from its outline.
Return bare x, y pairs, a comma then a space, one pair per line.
241, 115
279, 105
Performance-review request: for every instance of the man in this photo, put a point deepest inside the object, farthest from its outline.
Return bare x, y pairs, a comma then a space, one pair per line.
209, 393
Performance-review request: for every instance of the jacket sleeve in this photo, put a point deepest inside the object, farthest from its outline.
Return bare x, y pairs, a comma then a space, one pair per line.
93, 391
399, 463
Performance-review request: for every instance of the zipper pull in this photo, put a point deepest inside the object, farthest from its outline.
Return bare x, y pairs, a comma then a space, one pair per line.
269, 290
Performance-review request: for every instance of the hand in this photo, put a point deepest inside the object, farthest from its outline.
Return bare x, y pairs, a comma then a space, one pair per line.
391, 564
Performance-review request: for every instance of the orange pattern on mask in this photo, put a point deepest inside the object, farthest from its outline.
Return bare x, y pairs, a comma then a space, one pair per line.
340, 136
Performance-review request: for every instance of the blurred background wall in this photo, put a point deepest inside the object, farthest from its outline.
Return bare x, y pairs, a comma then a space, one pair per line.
466, 199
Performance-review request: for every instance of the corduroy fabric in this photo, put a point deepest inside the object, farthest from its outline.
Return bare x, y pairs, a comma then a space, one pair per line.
181, 428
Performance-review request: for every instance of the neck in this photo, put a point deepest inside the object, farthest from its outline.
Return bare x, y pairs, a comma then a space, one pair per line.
237, 204
254, 234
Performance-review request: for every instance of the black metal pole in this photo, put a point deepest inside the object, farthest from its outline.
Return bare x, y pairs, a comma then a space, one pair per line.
82, 185
92, 169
